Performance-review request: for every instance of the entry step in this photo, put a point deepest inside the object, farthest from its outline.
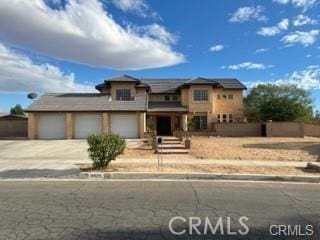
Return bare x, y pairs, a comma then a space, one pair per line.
173, 151
172, 146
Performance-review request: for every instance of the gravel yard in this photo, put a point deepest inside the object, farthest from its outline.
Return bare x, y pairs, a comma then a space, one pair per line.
256, 148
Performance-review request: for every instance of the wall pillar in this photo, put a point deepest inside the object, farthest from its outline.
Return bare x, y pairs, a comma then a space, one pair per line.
142, 124
105, 123
185, 122
32, 126
69, 126
301, 130
269, 128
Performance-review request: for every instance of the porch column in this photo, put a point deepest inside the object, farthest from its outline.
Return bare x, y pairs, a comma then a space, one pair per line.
105, 123
185, 122
142, 124
69, 126
32, 126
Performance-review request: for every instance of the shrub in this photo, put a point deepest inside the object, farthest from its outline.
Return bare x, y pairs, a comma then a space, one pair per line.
104, 148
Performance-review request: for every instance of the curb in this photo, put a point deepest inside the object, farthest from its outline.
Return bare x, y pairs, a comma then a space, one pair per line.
197, 176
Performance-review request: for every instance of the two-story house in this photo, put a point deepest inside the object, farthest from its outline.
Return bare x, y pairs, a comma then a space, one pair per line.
129, 106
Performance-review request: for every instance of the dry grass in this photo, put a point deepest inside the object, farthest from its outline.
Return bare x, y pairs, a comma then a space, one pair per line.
245, 148
255, 148
206, 168
143, 151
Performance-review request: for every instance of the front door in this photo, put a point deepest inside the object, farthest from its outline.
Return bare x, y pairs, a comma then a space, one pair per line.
163, 125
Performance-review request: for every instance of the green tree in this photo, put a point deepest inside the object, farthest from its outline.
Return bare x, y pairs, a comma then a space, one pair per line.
284, 102
17, 110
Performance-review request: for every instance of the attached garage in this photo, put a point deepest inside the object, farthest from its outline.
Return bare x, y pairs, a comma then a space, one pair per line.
87, 124
51, 126
126, 125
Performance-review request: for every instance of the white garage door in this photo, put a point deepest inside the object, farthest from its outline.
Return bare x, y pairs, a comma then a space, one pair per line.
51, 126
85, 125
125, 125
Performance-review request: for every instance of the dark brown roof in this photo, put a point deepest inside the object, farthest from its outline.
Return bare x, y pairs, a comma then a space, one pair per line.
166, 107
123, 78
172, 85
85, 102
164, 85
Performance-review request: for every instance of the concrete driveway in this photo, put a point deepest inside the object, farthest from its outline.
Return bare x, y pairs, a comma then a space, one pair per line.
44, 158
41, 158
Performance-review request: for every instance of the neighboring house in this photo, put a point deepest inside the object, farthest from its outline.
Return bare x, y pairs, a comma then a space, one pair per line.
129, 107
13, 126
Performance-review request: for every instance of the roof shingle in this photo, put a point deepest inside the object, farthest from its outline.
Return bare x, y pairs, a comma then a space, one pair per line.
85, 102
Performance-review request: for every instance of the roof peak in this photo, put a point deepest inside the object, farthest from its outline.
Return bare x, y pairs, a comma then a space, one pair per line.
122, 78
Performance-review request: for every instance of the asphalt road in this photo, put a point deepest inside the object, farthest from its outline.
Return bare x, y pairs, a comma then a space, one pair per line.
143, 210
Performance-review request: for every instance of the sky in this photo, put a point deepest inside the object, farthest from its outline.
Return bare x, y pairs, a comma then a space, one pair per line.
72, 45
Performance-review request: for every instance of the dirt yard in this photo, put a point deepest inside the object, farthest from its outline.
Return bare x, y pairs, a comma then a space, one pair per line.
254, 148
208, 168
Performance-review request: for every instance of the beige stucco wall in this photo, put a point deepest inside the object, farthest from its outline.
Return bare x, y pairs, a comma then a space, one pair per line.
312, 130
69, 126
214, 105
32, 126
228, 105
185, 97
142, 128
287, 129
238, 129
200, 106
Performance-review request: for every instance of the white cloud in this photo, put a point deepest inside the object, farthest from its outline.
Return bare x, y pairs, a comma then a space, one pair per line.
281, 1
19, 74
83, 32
155, 31
247, 65
244, 14
138, 6
301, 20
261, 50
304, 4
216, 48
274, 30
308, 78
304, 38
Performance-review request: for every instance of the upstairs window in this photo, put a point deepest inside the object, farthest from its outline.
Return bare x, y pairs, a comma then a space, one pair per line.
200, 95
175, 98
123, 94
230, 96
167, 98
201, 122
